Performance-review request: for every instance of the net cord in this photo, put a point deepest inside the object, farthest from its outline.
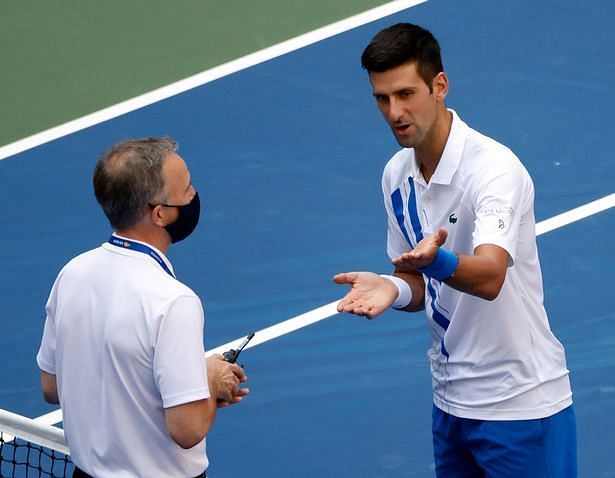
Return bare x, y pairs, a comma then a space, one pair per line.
29, 430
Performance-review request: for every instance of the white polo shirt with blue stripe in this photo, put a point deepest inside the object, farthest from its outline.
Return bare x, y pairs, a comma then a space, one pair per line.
491, 360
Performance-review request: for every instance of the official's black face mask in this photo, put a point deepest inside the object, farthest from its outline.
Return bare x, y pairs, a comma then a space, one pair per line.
186, 222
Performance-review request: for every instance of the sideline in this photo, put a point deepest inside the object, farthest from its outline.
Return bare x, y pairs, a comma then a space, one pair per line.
329, 310
206, 76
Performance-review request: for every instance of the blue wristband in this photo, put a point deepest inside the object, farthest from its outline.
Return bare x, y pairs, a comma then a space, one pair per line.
443, 266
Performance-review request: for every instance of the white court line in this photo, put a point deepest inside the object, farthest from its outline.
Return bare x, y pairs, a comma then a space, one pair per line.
50, 418
282, 328
329, 310
207, 76
576, 214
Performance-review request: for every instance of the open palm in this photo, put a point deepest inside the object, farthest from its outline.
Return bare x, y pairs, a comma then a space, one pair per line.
370, 294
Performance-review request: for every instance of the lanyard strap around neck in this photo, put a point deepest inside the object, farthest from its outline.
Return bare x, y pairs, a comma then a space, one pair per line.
137, 246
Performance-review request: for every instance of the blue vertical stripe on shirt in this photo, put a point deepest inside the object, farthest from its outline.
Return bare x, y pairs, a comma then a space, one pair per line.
413, 211
440, 319
398, 209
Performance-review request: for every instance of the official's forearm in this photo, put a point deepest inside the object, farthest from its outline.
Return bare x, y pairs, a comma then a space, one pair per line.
49, 386
210, 413
190, 422
50, 398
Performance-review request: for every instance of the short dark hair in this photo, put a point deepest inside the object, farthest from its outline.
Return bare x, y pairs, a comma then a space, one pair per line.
403, 43
129, 176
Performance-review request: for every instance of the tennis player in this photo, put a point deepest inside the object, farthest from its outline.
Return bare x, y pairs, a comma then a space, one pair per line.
122, 350
461, 236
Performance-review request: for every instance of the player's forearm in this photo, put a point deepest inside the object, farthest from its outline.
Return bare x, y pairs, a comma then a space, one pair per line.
417, 286
479, 276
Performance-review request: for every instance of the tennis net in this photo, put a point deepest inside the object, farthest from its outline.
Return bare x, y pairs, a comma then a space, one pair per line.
32, 449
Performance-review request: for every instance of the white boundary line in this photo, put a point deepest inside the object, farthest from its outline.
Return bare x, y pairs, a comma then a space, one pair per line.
206, 76
282, 328
576, 214
329, 310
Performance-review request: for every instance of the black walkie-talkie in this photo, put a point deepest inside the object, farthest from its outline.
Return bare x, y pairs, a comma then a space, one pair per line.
231, 355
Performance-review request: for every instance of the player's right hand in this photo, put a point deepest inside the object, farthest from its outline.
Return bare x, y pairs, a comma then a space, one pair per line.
370, 294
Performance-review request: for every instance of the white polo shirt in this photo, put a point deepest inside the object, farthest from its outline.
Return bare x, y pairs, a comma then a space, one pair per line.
125, 341
493, 360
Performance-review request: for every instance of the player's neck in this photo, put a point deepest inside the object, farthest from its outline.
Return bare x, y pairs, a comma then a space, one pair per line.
429, 152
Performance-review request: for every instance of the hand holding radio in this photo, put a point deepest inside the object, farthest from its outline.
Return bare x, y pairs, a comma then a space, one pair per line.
232, 354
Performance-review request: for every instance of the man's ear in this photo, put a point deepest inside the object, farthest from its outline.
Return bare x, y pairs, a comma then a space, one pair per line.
439, 86
157, 216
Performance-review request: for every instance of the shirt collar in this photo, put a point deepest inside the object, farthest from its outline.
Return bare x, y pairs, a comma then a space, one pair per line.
138, 254
451, 156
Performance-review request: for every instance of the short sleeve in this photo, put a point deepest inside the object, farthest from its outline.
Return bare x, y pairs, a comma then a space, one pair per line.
180, 370
503, 194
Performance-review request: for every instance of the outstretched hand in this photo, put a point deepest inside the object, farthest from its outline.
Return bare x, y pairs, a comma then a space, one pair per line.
370, 294
423, 254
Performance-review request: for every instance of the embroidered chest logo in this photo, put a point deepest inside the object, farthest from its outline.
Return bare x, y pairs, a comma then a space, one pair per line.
452, 218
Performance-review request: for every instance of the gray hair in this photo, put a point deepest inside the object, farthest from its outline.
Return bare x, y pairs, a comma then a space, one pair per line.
129, 176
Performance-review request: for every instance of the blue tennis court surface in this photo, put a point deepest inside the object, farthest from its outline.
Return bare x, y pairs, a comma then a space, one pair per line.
287, 158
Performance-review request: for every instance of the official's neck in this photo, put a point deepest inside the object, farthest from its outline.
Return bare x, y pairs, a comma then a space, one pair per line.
156, 237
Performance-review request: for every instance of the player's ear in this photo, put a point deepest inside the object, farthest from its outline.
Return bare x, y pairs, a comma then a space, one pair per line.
439, 86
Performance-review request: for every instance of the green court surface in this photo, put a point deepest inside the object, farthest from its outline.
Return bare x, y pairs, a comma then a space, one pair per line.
64, 59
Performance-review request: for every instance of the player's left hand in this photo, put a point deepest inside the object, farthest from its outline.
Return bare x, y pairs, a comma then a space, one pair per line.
423, 254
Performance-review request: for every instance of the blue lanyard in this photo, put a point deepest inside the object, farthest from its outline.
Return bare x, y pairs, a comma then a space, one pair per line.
137, 246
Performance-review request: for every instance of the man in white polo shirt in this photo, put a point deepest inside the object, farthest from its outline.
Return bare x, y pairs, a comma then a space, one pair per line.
461, 235
122, 350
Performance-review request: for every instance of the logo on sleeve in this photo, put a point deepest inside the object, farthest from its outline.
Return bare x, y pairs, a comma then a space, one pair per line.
501, 224
452, 218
